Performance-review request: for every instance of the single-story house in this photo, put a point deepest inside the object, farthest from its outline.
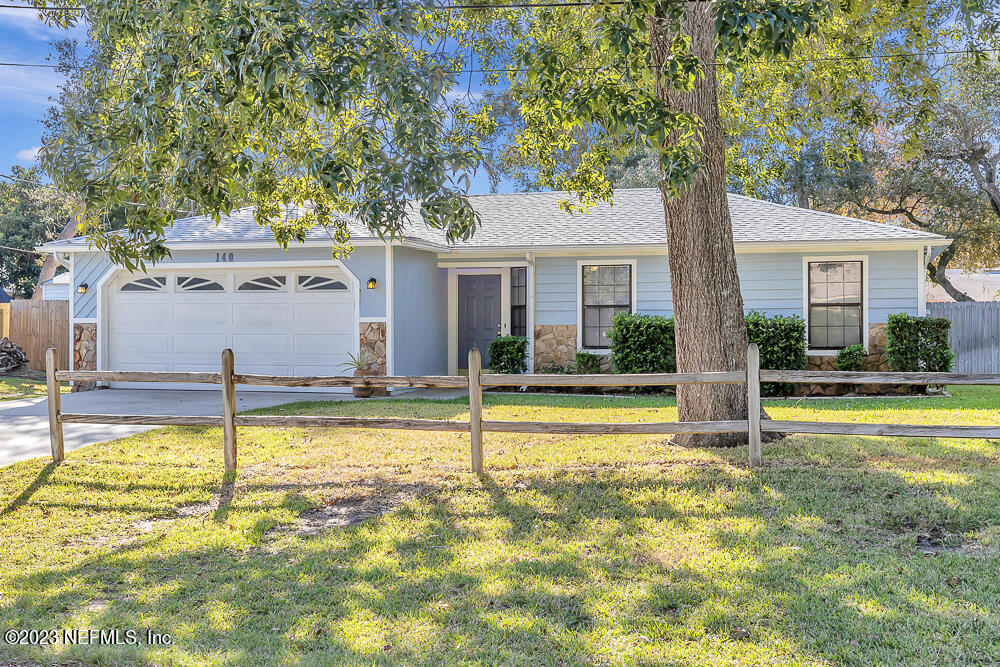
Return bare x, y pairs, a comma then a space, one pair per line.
56, 288
418, 304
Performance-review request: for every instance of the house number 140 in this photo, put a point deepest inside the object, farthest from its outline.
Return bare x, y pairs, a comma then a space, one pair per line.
224, 257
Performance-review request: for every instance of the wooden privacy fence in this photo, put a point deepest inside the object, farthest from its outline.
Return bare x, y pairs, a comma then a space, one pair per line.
36, 326
754, 426
975, 334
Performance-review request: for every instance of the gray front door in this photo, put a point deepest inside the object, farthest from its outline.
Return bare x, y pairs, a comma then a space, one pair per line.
478, 315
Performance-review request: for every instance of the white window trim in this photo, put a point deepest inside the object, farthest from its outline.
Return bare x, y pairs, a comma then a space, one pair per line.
634, 279
806, 259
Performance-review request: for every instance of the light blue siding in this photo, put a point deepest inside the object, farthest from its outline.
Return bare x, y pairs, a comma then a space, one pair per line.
420, 313
770, 282
555, 290
365, 262
892, 284
88, 267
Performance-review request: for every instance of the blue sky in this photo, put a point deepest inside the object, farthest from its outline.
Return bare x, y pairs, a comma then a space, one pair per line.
25, 91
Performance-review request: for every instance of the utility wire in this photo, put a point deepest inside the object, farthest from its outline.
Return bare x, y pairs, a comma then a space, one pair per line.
126, 203
28, 252
514, 70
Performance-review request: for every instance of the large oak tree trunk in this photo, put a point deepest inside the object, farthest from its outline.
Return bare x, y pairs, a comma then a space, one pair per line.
938, 273
708, 306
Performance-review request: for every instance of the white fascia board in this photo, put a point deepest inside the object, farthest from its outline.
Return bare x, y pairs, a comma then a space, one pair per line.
417, 244
456, 254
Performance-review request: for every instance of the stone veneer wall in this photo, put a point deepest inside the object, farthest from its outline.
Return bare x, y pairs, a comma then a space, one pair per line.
555, 344
876, 361
373, 339
84, 352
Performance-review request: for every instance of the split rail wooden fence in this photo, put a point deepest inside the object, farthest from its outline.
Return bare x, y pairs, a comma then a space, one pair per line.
754, 426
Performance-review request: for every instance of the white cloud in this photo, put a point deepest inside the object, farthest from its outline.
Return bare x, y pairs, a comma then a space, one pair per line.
27, 90
27, 21
28, 154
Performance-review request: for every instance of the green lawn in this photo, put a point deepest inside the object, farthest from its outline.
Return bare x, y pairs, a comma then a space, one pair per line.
24, 384
572, 549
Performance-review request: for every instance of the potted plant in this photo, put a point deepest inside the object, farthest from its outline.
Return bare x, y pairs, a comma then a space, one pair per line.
362, 365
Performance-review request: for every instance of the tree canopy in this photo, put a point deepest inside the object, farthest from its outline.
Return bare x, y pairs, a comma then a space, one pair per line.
30, 214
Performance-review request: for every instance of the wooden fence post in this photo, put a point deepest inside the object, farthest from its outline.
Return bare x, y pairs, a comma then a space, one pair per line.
753, 403
476, 409
228, 410
55, 405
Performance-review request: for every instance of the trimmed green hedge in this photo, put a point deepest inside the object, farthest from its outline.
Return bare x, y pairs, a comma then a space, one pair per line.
587, 363
918, 344
850, 358
642, 343
646, 344
509, 354
782, 343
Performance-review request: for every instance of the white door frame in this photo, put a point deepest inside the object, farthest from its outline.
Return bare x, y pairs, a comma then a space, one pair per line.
486, 268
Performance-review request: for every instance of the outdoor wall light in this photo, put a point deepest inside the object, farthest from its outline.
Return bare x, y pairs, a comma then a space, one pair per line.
82, 289
371, 283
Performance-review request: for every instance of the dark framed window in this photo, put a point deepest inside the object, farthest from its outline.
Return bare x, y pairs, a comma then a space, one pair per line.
607, 290
519, 301
836, 315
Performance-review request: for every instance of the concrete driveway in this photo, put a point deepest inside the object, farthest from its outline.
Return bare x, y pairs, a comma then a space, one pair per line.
24, 425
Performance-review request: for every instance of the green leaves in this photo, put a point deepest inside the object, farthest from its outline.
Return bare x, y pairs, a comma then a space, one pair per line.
918, 343
279, 104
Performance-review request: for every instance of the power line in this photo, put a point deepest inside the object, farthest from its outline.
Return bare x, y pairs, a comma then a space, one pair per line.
514, 70
45, 9
30, 65
29, 252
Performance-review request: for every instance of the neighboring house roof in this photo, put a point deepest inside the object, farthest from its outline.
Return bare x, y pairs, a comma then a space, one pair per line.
61, 279
4, 297
980, 285
534, 220
56, 288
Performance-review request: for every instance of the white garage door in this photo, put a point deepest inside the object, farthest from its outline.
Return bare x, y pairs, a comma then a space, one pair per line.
300, 322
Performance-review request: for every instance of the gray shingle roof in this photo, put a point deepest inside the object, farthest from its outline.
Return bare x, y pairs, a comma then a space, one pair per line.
534, 219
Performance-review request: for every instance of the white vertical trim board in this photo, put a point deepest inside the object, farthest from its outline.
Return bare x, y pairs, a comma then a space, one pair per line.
69, 363
864, 295
390, 336
921, 282
452, 322
530, 321
631, 261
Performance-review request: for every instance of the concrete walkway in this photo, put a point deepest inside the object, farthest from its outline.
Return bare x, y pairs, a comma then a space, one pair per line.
24, 425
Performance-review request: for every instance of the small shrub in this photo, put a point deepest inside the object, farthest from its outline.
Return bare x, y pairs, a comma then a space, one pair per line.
509, 354
916, 344
554, 369
587, 363
850, 358
643, 343
782, 343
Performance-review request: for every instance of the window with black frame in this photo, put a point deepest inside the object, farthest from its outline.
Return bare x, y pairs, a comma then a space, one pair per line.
519, 301
835, 305
607, 290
